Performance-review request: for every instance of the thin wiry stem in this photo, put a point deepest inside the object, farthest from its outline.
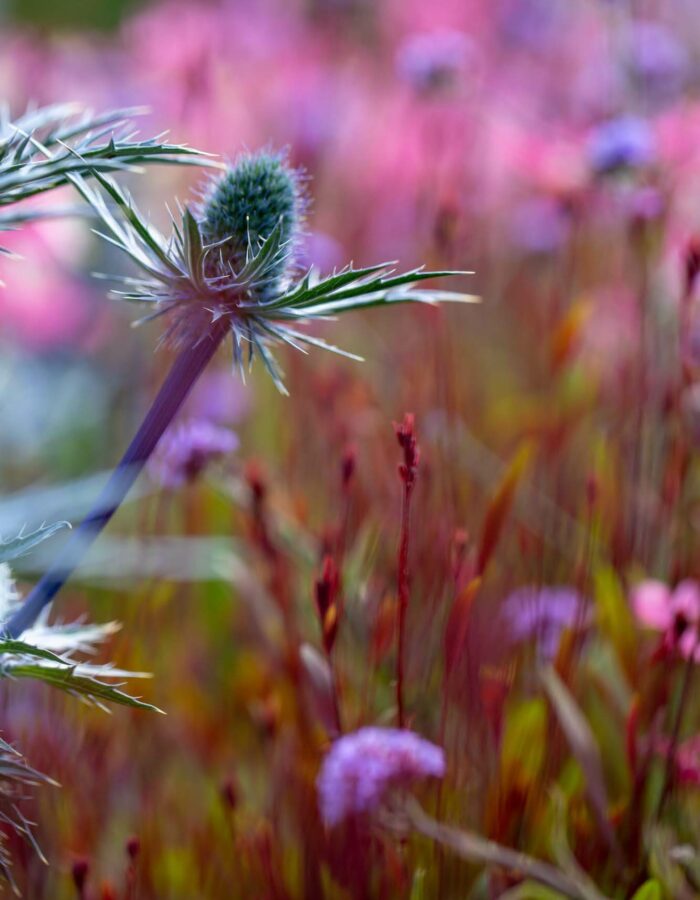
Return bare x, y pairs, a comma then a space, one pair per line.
186, 369
407, 471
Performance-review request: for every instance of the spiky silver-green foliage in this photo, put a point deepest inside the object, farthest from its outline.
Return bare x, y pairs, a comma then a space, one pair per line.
49, 653
179, 282
41, 149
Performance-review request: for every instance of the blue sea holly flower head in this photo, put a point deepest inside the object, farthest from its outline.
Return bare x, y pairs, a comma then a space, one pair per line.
243, 207
227, 267
363, 768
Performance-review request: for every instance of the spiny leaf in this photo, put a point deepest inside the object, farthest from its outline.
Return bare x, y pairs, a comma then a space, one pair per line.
23, 543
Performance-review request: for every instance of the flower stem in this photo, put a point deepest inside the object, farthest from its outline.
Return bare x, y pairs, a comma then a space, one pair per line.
186, 369
408, 469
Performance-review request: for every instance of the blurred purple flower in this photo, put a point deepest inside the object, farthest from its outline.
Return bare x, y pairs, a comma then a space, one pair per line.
187, 449
361, 769
531, 23
658, 61
321, 251
434, 61
623, 143
218, 398
541, 614
539, 225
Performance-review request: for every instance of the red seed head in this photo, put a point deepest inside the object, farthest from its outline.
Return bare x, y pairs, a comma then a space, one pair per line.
692, 262
229, 793
133, 847
347, 466
326, 590
79, 871
405, 434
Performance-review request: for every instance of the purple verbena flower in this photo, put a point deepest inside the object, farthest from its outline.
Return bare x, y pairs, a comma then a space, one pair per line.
623, 143
539, 225
435, 60
541, 614
187, 449
363, 767
658, 61
531, 24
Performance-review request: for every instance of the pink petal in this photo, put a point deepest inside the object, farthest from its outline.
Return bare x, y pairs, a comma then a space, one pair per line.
690, 644
686, 600
651, 601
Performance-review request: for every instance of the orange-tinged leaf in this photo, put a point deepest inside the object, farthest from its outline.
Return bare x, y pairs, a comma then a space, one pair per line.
500, 506
458, 621
567, 333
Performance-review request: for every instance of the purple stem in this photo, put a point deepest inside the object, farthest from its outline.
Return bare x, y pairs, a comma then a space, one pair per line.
186, 369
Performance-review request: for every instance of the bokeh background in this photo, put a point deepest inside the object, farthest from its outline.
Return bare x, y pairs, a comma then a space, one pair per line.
553, 147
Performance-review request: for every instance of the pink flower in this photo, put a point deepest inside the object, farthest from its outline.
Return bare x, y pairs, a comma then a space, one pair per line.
675, 612
686, 758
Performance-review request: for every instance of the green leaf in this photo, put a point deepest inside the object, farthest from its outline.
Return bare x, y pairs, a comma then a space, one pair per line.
615, 619
650, 890
64, 678
583, 745
23, 543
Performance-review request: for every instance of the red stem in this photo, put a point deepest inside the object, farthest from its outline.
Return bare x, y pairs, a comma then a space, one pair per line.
403, 596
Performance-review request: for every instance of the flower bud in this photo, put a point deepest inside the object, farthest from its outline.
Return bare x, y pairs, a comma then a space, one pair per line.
247, 202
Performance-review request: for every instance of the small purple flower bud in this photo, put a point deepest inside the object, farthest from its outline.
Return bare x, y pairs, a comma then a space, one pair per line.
434, 61
187, 449
623, 143
658, 61
541, 614
539, 226
363, 767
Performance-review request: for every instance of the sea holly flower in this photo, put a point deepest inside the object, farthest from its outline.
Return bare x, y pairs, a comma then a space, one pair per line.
225, 271
363, 768
674, 612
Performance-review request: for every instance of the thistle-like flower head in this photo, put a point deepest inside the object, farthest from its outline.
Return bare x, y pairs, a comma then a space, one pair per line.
228, 266
245, 205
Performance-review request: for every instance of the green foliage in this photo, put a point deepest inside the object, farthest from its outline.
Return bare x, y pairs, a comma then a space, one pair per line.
23, 543
650, 890
44, 148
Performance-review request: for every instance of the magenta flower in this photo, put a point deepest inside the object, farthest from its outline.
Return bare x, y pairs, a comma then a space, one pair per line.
676, 613
686, 759
187, 449
363, 767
